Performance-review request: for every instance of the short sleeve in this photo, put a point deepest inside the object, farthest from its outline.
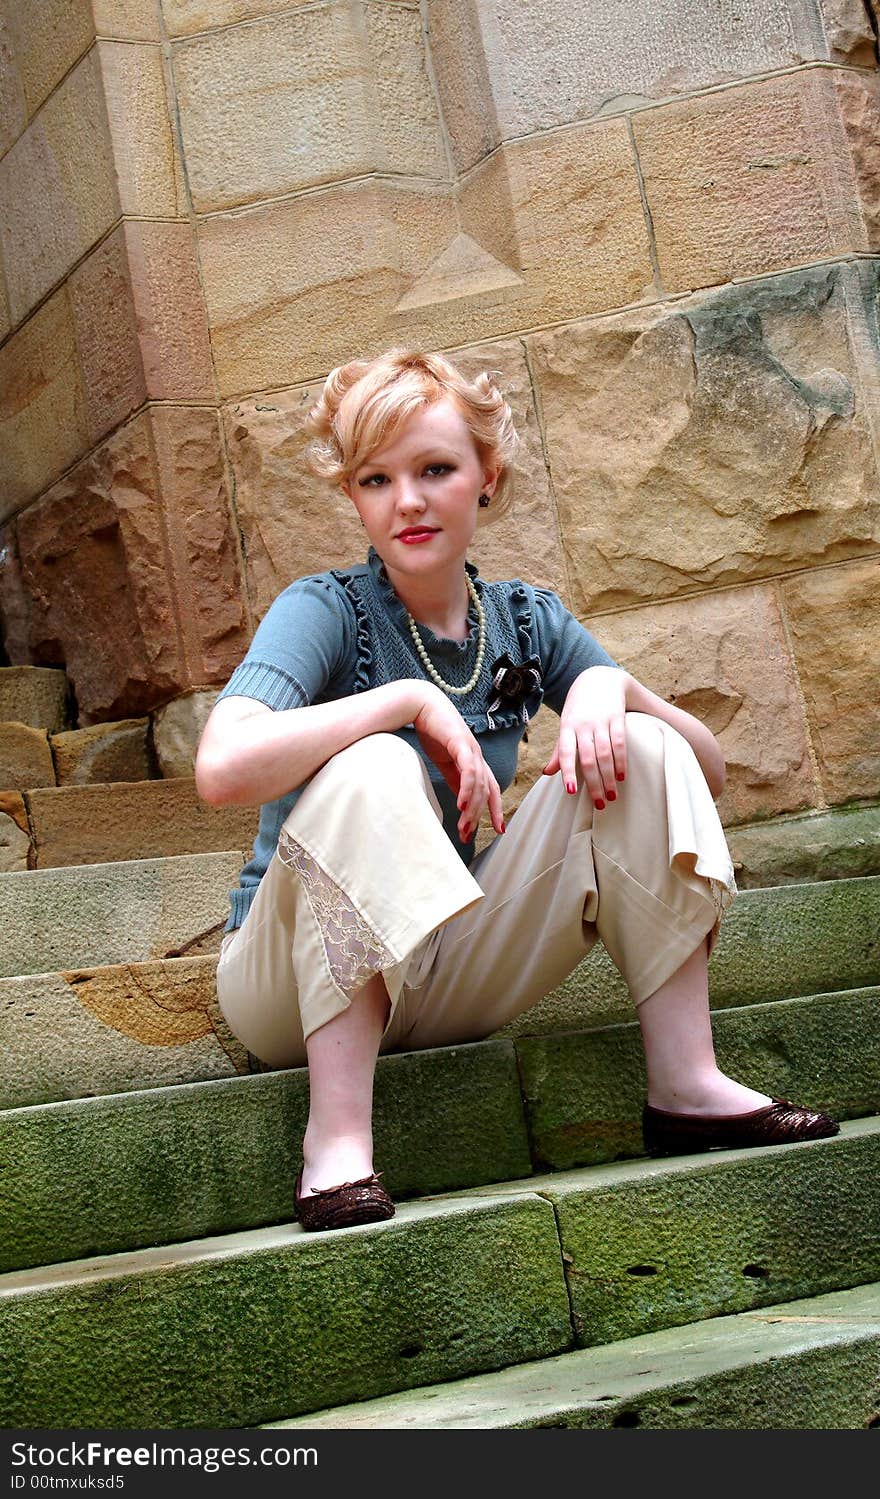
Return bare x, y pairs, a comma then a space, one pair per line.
564, 647
299, 647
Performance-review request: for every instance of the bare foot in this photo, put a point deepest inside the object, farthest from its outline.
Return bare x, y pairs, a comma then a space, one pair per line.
332, 1162
712, 1094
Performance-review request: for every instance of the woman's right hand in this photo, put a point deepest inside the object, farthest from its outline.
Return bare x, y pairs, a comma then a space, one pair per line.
447, 740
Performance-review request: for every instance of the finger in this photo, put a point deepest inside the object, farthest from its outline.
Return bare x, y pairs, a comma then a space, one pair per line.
605, 762
567, 752
593, 782
496, 811
552, 765
617, 734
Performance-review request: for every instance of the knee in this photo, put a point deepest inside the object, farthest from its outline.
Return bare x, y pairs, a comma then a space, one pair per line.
377, 761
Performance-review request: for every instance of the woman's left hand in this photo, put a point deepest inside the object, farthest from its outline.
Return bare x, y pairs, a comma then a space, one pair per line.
592, 734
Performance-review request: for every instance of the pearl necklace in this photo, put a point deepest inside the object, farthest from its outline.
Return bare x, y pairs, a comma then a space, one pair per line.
428, 664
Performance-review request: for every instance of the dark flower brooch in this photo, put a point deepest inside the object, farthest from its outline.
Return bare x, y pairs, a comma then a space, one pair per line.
512, 684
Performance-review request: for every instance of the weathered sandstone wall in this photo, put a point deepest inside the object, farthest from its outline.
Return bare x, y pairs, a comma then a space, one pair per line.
661, 224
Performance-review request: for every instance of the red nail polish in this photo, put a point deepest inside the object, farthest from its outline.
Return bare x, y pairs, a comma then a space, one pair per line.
600, 806
612, 796
619, 776
504, 827
570, 787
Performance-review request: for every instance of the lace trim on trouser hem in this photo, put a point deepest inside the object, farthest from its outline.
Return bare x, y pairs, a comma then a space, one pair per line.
354, 952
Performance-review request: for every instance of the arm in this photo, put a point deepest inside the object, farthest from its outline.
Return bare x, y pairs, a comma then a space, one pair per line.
249, 754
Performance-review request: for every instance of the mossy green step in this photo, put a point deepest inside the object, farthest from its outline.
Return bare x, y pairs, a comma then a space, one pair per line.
91, 914
840, 843
804, 1365
584, 1090
101, 1175
174, 1163
255, 1327
134, 1023
269, 1324
657, 1243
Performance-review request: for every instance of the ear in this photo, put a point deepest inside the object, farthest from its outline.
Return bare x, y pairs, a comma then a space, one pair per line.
490, 479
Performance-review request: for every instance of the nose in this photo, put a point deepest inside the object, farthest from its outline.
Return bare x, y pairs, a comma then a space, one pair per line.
409, 497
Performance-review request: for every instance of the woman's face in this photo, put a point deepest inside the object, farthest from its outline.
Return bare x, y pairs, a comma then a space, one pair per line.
418, 495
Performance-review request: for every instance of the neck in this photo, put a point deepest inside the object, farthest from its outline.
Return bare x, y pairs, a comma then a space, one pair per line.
441, 603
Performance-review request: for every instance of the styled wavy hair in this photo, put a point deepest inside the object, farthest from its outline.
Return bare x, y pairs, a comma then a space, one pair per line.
365, 402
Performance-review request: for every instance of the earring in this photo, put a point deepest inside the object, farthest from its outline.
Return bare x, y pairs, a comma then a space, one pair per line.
483, 501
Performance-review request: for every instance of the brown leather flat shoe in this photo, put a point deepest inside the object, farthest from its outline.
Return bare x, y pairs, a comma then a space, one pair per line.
362, 1201
777, 1123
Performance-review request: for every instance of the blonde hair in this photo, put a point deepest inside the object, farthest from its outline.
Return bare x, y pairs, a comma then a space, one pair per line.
365, 402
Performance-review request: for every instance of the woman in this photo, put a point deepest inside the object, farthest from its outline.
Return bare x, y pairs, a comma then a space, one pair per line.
376, 719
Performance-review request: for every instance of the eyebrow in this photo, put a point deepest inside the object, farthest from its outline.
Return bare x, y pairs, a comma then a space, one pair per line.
435, 453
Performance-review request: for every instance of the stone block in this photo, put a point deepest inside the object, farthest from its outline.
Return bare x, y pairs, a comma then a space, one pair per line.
266, 440
272, 107
454, 1288
13, 105
202, 548
43, 416
177, 729
850, 35
584, 1090
567, 217
15, 838
404, 120
144, 151
524, 542
130, 20
175, 348
655, 1245
544, 68
723, 657
106, 326
857, 97
665, 413
48, 39
466, 77
60, 919
104, 752
294, 288
25, 757
843, 843
132, 820
58, 191
35, 695
773, 944
135, 1026
804, 1365
5, 318
834, 619
151, 601
768, 166
183, 17
114, 623
172, 1160
14, 603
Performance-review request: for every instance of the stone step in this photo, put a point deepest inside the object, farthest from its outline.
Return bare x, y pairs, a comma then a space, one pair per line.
840, 843
168, 1164
102, 824
140, 1024
451, 1286
95, 914
774, 943
35, 695
803, 1365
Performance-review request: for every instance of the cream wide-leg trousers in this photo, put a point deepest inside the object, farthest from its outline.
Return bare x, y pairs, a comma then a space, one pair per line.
365, 880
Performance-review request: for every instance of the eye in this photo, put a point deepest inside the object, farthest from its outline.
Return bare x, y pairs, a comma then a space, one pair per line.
372, 481
438, 469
